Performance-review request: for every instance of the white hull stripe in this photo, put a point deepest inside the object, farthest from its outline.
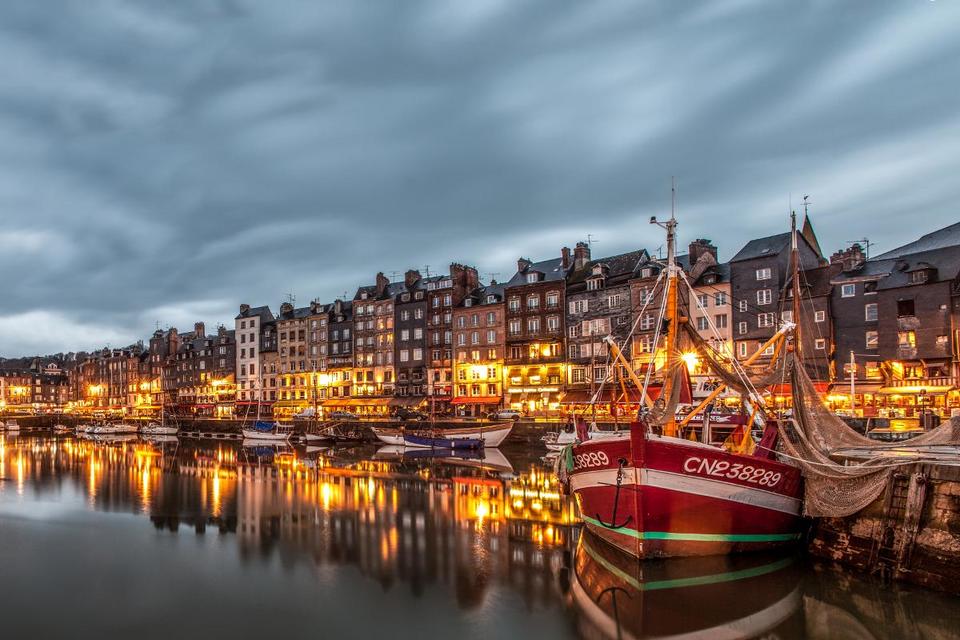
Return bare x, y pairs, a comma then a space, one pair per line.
694, 485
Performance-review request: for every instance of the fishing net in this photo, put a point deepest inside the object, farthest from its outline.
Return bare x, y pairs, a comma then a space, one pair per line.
834, 489
721, 367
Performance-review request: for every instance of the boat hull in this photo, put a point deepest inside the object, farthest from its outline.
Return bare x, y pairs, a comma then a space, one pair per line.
264, 436
491, 436
681, 498
158, 430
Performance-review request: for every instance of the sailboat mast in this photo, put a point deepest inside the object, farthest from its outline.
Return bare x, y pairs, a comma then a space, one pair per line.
795, 266
672, 315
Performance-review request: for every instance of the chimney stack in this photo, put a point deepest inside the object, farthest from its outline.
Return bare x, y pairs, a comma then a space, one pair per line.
523, 264
285, 309
410, 278
565, 258
244, 308
199, 330
382, 283
701, 247
581, 255
850, 258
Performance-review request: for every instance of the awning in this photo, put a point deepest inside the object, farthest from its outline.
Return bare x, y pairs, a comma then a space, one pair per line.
406, 401
917, 389
607, 396
476, 400
785, 390
291, 403
840, 388
336, 402
370, 402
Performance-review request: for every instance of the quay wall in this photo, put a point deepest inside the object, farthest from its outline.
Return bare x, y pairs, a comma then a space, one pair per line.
911, 533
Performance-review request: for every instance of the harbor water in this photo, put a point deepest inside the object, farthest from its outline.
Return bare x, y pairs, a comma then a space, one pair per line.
208, 539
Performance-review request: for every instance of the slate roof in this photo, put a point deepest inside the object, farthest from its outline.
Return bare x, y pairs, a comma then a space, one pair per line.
296, 314
817, 282
948, 236
761, 247
552, 271
721, 271
621, 267
264, 313
895, 272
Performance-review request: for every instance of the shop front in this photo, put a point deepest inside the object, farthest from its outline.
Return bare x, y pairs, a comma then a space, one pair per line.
605, 404
536, 402
475, 406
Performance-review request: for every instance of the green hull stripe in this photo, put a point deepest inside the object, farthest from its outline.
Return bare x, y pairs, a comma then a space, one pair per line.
697, 537
655, 585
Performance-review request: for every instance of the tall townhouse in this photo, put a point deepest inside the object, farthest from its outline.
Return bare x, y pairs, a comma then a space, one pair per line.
443, 294
294, 391
535, 334
598, 304
479, 341
249, 326
410, 322
269, 363
759, 273
317, 343
340, 359
373, 373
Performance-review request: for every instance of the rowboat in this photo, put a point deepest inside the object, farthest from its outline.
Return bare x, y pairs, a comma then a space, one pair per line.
492, 436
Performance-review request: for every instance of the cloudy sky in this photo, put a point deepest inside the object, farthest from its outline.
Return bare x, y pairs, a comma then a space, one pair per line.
164, 162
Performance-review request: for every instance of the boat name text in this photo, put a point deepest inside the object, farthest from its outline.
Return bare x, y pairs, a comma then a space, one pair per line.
735, 471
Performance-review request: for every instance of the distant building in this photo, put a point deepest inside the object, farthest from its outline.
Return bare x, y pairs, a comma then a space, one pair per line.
479, 342
250, 325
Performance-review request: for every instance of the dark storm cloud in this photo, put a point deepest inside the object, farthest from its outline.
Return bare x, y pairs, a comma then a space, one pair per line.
167, 161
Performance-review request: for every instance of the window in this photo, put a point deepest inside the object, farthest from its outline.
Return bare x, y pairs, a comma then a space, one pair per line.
405, 334
743, 306
870, 312
942, 342
578, 375
572, 351
533, 302
474, 337
765, 319
514, 304
907, 339
702, 324
646, 322
719, 298
533, 325
594, 283
579, 306
918, 277
491, 317
613, 301
720, 321
646, 344
514, 327
404, 355
461, 322
553, 300
418, 333
763, 274
768, 351
873, 340
742, 349
905, 308
869, 288
787, 316
418, 354
764, 296
532, 277
491, 336
820, 344
574, 331
819, 316
848, 290
703, 300
599, 373
742, 328
553, 323
461, 339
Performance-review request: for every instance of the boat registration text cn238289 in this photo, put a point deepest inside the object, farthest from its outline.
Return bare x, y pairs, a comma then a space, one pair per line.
732, 471
592, 459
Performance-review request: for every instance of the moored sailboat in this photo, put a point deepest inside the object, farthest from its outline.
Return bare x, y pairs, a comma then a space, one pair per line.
652, 493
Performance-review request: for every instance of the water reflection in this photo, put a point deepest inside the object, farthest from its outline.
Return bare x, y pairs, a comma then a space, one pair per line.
489, 537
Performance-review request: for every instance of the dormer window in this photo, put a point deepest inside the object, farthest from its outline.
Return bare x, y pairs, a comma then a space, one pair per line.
468, 302
533, 277
918, 277
646, 273
491, 299
594, 283
363, 296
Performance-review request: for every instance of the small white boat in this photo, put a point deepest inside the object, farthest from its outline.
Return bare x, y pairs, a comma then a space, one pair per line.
557, 440
11, 426
267, 432
113, 428
491, 436
62, 428
158, 429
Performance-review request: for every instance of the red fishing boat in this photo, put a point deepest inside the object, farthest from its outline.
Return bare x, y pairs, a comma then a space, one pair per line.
654, 494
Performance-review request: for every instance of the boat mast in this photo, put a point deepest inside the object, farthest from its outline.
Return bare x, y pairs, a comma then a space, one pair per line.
672, 314
795, 266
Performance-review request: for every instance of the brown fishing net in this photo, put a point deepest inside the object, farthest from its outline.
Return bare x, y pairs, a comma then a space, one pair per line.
722, 367
834, 489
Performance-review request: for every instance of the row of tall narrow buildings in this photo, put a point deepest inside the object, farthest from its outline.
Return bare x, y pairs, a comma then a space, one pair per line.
881, 336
